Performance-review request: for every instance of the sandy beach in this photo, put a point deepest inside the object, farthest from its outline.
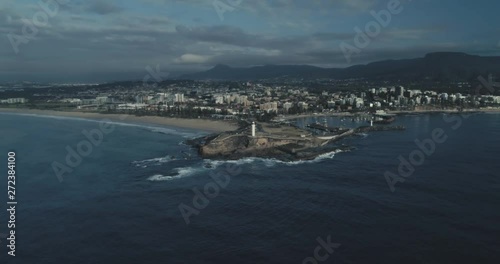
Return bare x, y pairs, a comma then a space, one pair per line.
196, 124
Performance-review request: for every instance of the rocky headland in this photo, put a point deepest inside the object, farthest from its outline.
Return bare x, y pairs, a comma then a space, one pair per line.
279, 141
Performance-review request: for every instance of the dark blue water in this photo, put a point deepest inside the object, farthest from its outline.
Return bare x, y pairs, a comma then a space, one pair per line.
121, 204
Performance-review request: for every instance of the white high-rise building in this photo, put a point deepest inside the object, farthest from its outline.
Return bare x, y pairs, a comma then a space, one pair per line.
219, 99
16, 101
287, 106
179, 98
101, 99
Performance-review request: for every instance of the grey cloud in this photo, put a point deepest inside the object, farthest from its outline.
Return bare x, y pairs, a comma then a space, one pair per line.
111, 50
103, 7
235, 36
76, 44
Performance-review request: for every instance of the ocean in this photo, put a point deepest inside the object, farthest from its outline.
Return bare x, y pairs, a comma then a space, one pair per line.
139, 195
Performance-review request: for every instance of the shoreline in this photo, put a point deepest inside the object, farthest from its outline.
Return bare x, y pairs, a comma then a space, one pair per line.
194, 124
446, 111
338, 114
396, 112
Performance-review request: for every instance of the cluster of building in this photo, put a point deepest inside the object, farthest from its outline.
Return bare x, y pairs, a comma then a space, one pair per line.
233, 98
400, 98
280, 100
139, 101
13, 101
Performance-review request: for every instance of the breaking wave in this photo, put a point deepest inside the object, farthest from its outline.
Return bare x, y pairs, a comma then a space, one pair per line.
362, 135
169, 131
153, 162
179, 173
272, 162
208, 165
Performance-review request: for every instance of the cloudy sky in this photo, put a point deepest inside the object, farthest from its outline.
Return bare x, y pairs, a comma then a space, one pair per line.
93, 40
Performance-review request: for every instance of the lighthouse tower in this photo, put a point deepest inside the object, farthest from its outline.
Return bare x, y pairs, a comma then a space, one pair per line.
253, 129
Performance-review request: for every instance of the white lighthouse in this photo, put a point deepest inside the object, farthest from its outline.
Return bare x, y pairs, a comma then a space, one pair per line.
253, 129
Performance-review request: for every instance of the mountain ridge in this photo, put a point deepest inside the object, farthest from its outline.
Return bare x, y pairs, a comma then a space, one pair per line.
439, 66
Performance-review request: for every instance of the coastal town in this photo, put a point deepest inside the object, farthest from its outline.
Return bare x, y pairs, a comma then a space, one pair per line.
262, 100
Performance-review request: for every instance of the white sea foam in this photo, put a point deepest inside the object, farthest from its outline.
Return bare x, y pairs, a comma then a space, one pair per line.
179, 173
272, 162
159, 177
169, 131
363, 135
52, 117
153, 162
214, 164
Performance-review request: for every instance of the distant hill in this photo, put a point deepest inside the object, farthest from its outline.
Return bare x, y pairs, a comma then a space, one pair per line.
439, 66
224, 72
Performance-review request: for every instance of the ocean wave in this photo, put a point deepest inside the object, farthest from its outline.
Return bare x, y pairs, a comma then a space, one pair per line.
319, 158
159, 177
362, 135
209, 165
217, 163
272, 162
179, 173
157, 129
51, 116
153, 162
169, 131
